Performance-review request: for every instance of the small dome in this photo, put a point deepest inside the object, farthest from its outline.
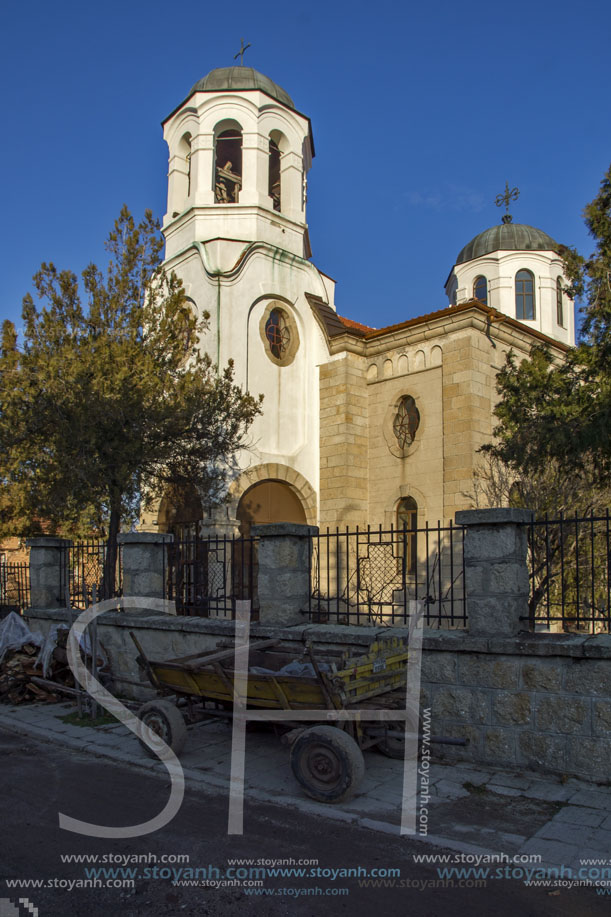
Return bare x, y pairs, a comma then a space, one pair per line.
234, 79
507, 237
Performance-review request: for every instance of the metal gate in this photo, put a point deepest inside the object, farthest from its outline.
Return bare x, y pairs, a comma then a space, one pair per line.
206, 575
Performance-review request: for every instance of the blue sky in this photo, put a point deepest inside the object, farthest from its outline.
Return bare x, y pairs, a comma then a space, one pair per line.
420, 112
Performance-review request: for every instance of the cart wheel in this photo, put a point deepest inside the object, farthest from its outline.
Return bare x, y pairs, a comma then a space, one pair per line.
393, 746
328, 763
167, 722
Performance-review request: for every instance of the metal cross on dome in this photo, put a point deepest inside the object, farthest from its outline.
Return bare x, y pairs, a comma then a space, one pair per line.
240, 53
505, 198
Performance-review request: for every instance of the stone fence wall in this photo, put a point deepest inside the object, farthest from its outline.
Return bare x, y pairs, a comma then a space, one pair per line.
539, 702
527, 701
535, 702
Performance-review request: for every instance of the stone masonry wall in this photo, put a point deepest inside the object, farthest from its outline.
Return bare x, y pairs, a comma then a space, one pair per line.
343, 442
535, 702
468, 394
529, 702
419, 472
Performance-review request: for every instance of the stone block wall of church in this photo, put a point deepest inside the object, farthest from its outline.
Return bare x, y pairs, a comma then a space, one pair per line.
451, 375
469, 394
419, 472
343, 443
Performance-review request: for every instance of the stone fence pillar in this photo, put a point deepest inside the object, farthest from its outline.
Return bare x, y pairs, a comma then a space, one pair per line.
144, 563
46, 580
496, 569
284, 571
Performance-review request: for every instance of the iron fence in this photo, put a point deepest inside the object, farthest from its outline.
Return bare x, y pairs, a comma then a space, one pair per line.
207, 574
570, 582
370, 576
82, 567
14, 587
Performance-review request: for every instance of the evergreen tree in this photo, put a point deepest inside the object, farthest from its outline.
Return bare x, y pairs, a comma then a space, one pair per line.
109, 402
561, 412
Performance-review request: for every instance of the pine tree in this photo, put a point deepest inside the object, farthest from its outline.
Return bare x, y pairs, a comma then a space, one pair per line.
108, 402
561, 412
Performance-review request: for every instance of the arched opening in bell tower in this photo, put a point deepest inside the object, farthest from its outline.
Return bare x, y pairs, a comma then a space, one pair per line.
227, 162
182, 175
275, 187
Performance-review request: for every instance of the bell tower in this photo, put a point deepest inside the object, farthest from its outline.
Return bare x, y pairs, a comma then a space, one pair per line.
239, 153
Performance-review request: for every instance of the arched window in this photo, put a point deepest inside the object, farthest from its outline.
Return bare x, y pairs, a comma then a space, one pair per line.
525, 295
407, 525
559, 303
406, 422
228, 166
480, 289
274, 175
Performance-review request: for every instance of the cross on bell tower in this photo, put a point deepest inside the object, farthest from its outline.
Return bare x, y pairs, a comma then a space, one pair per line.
240, 53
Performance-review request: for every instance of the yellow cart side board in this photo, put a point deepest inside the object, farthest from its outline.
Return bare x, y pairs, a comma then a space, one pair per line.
301, 692
382, 669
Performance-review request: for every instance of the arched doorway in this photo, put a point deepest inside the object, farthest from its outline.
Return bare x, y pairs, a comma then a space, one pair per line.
269, 501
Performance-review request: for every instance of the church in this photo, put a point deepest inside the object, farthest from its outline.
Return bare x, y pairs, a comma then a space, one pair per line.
360, 425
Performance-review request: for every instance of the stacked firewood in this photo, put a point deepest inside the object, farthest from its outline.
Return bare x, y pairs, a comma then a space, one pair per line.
22, 682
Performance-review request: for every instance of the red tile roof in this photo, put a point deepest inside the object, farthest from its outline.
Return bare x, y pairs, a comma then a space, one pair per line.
350, 323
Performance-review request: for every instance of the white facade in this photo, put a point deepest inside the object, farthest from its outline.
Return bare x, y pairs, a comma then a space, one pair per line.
239, 260
236, 234
191, 134
500, 269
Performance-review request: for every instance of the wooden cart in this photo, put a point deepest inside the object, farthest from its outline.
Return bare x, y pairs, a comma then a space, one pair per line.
327, 759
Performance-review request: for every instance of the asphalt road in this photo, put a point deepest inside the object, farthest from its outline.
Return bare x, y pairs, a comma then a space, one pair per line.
40, 780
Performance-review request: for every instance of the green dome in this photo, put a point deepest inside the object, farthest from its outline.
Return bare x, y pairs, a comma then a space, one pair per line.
234, 79
511, 237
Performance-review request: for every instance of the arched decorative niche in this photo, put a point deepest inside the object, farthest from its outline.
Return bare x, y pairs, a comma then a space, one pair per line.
419, 360
372, 372
402, 365
180, 511
436, 355
191, 335
180, 164
184, 150
387, 369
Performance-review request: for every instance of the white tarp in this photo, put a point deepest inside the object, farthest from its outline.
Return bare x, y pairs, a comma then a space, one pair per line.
15, 633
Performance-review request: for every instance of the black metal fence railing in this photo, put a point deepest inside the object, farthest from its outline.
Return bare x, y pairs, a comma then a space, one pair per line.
82, 567
570, 566
14, 587
370, 576
206, 575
